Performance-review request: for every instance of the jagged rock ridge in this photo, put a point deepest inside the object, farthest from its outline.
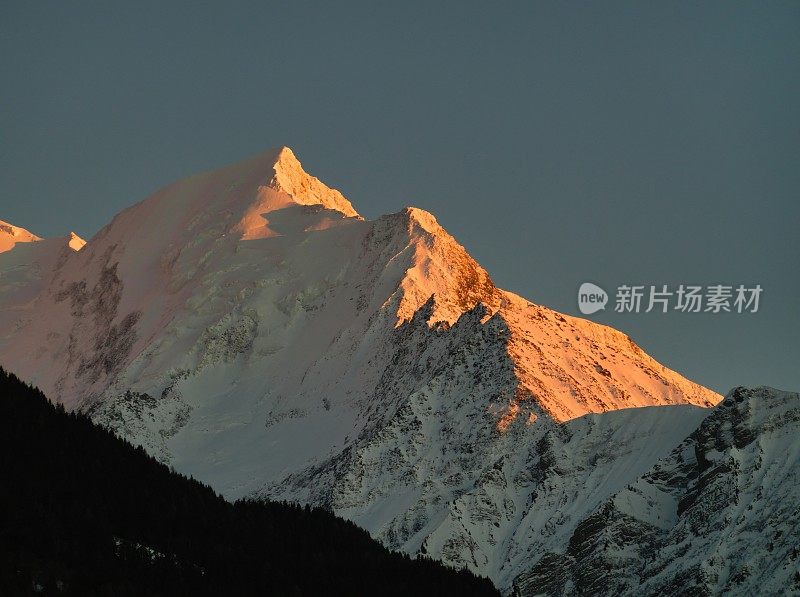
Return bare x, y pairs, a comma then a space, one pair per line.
718, 515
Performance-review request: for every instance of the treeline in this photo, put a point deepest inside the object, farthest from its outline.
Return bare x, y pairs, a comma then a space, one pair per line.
85, 513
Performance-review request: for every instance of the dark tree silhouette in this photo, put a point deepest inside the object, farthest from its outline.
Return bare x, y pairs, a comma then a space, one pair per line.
83, 512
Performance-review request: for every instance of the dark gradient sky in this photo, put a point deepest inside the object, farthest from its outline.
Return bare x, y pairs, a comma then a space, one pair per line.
638, 142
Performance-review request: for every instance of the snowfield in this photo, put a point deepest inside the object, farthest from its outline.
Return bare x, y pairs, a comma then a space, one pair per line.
248, 327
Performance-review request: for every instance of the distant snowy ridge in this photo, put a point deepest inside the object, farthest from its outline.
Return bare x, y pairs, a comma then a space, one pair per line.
10, 235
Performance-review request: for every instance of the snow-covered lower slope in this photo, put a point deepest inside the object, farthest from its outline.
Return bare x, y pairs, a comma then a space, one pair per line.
720, 514
437, 480
247, 326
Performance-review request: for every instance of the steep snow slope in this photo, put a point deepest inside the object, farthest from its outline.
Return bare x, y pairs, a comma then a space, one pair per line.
719, 515
247, 326
437, 480
573, 366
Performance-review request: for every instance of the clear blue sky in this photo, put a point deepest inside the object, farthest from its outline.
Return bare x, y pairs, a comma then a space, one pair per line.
618, 142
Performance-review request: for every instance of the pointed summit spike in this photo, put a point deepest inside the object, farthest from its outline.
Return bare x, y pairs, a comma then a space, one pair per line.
291, 178
75, 242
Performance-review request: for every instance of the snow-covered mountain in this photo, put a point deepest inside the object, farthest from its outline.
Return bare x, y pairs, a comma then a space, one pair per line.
261, 268
247, 326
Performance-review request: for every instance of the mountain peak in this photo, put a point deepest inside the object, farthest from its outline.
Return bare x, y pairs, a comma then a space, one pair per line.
423, 218
75, 242
290, 178
10, 235
286, 155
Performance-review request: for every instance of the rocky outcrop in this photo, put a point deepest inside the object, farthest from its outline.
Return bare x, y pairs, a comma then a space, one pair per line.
718, 515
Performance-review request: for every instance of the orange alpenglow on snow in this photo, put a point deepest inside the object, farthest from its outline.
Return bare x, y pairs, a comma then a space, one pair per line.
10, 235
75, 242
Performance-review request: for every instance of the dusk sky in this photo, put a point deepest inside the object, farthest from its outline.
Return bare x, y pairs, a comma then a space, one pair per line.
560, 142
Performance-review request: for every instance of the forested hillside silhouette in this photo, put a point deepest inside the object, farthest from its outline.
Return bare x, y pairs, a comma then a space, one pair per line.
83, 512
